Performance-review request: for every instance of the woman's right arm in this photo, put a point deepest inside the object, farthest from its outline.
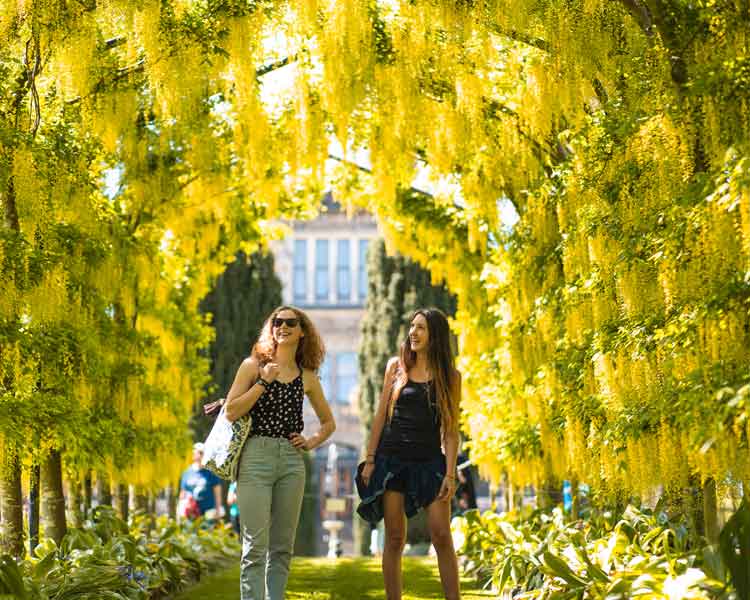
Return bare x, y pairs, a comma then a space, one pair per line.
378, 421
245, 390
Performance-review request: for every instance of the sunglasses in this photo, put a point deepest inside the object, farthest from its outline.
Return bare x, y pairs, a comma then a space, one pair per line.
292, 322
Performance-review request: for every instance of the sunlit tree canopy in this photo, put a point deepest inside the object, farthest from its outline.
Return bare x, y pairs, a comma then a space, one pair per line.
576, 172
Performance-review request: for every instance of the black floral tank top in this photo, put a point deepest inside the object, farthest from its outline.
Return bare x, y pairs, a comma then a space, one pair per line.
278, 412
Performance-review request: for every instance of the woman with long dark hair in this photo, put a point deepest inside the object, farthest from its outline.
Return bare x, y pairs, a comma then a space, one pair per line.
411, 454
270, 385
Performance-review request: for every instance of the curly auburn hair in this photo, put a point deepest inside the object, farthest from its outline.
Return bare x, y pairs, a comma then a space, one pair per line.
310, 350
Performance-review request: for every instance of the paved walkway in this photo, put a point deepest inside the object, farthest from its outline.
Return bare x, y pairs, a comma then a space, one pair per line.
343, 579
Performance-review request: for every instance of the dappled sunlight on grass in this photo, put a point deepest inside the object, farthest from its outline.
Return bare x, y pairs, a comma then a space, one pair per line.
343, 579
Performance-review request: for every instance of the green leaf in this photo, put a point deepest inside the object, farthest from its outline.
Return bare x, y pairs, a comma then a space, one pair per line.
504, 573
593, 570
11, 579
560, 568
43, 567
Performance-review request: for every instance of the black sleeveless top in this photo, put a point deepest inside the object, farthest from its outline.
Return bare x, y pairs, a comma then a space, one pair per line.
278, 412
413, 432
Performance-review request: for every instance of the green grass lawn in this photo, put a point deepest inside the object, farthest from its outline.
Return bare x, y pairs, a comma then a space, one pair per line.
343, 579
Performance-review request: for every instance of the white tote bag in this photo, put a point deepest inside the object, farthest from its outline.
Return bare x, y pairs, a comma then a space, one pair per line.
223, 446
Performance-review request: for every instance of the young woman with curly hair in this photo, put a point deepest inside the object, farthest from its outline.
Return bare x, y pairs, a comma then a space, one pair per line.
270, 385
413, 446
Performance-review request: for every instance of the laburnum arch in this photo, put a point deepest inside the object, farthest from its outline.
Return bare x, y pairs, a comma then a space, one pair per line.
603, 329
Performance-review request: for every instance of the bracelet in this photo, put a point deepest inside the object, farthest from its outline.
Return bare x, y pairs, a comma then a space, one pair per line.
369, 462
263, 382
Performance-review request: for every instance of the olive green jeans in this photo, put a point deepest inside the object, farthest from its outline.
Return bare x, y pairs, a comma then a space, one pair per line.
270, 488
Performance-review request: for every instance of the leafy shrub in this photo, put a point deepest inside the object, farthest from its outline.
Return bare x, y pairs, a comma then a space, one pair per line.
107, 560
642, 553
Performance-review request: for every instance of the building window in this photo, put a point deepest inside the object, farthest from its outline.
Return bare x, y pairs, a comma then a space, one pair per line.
325, 379
321, 270
299, 275
362, 275
346, 376
343, 272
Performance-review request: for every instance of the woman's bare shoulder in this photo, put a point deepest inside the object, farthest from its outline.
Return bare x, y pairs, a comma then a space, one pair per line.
250, 365
308, 376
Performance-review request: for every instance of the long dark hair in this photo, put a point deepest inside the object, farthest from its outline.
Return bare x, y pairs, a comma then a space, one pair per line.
439, 361
310, 349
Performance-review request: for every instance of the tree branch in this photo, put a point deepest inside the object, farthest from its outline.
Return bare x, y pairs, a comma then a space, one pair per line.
642, 14
518, 36
369, 172
273, 66
139, 67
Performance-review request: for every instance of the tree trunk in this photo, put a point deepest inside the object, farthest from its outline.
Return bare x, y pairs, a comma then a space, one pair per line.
34, 508
53, 499
690, 502
575, 506
171, 502
122, 501
140, 505
550, 494
711, 511
103, 489
140, 496
87, 494
11, 496
75, 503
11, 501
510, 496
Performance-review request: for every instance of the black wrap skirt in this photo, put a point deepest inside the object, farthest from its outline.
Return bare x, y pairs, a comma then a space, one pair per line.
419, 482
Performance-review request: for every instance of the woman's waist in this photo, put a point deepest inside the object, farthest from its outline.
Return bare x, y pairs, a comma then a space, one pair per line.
412, 433
404, 455
274, 433
406, 447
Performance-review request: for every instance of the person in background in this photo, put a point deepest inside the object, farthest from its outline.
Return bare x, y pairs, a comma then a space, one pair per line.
234, 509
200, 490
466, 495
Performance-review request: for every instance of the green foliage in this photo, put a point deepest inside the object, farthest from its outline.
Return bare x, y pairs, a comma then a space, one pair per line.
734, 542
105, 560
541, 556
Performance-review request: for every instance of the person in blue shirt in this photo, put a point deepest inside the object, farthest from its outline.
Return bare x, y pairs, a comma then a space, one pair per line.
234, 509
203, 486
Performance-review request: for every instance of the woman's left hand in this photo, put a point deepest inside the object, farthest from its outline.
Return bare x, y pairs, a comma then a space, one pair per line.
447, 488
300, 441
